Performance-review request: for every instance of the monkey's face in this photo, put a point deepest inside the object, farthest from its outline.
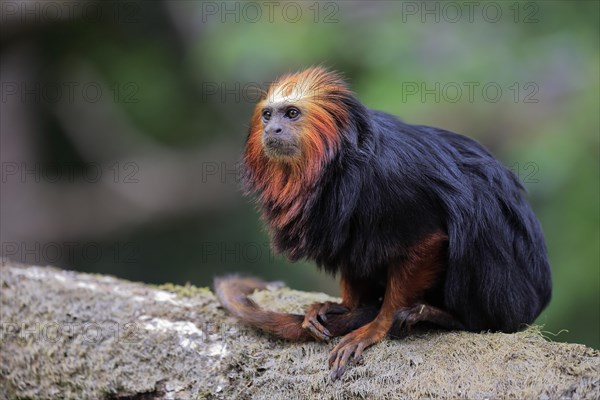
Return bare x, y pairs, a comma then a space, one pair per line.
299, 123
282, 129
297, 128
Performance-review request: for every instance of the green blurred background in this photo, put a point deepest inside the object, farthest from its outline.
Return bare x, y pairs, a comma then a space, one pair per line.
122, 123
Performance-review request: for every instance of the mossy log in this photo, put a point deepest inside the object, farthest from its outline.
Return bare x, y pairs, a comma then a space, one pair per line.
72, 335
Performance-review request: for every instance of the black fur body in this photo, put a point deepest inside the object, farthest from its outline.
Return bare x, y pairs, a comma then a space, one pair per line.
390, 184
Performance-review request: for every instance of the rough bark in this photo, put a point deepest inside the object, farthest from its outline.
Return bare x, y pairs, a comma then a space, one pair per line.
70, 335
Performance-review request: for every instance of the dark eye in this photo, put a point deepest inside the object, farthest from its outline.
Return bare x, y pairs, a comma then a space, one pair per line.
266, 115
292, 113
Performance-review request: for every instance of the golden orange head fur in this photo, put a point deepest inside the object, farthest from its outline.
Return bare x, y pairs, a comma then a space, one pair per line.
321, 97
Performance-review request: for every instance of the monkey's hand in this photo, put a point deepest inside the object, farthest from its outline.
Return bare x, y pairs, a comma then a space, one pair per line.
351, 346
316, 316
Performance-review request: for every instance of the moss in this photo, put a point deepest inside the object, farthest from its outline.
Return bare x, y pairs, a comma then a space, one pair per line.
187, 290
119, 339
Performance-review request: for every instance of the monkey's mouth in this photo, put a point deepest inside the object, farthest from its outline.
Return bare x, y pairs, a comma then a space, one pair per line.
280, 148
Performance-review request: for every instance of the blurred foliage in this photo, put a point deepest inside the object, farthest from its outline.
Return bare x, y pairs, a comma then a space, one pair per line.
175, 51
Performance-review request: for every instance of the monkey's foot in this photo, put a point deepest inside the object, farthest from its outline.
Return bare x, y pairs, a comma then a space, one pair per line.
350, 348
407, 317
316, 315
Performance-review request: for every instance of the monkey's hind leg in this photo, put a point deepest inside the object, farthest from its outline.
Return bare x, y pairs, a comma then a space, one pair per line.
407, 317
345, 315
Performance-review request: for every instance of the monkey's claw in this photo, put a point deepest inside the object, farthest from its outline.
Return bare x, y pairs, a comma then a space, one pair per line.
316, 315
351, 347
341, 356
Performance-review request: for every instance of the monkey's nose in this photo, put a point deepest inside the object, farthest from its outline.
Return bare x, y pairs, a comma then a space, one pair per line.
273, 130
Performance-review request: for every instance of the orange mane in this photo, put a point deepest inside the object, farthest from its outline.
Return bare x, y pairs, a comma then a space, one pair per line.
281, 185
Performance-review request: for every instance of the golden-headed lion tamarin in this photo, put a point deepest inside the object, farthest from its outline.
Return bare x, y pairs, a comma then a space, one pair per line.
421, 224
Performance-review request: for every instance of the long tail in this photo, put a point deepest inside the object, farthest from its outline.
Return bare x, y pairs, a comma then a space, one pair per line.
233, 291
